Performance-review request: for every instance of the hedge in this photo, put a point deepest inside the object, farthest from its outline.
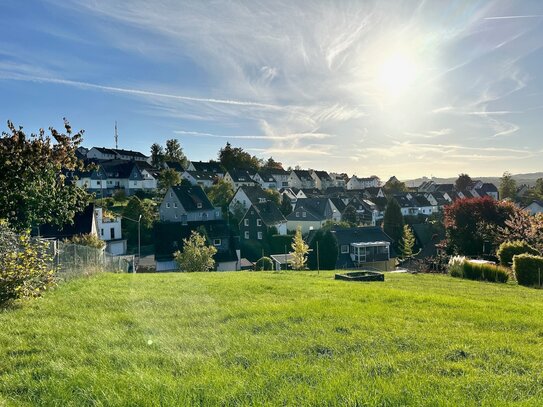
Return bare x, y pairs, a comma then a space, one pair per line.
479, 271
509, 249
264, 264
528, 269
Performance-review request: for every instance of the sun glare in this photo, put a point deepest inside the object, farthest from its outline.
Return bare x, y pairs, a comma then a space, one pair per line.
396, 74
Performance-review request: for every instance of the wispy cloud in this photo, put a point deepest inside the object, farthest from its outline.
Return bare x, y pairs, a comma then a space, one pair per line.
293, 136
514, 17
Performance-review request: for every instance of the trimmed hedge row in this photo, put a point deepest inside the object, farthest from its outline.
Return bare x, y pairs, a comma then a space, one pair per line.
528, 270
478, 271
508, 250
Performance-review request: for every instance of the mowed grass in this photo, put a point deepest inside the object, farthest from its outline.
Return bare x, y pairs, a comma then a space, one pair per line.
274, 339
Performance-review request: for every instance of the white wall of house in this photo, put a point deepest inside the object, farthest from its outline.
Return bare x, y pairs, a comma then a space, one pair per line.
306, 226
534, 208
282, 180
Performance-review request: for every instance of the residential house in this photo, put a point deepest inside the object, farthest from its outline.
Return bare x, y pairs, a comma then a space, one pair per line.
535, 207
339, 180
281, 177
366, 211
301, 179
103, 153
169, 239
110, 231
312, 214
259, 219
203, 178
187, 204
246, 196
84, 223
174, 165
322, 180
366, 247
239, 178
266, 180
363, 183
373, 192
207, 166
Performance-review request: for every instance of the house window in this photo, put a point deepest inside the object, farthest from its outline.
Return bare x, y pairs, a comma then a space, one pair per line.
97, 182
199, 205
297, 214
344, 248
175, 216
245, 222
217, 214
259, 235
259, 222
112, 233
175, 204
101, 232
217, 242
171, 194
167, 204
304, 213
247, 235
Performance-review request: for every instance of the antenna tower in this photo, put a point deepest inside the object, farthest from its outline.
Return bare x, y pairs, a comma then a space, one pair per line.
116, 137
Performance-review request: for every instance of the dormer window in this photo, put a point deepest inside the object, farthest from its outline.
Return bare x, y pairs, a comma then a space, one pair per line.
199, 205
304, 213
261, 200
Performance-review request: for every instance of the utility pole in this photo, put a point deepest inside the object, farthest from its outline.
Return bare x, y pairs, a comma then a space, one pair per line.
318, 260
116, 136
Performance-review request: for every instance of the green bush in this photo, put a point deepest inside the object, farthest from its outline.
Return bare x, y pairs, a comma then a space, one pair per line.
264, 264
528, 269
485, 272
25, 265
509, 249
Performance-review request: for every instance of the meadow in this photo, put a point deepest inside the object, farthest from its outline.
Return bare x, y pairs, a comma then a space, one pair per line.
293, 338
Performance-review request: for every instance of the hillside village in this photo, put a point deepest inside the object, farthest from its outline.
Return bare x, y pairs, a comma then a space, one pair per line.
248, 213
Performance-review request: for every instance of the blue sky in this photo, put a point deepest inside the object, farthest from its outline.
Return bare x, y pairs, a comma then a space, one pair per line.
401, 88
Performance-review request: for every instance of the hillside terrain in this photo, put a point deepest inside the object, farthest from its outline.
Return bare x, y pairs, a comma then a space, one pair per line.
274, 338
521, 179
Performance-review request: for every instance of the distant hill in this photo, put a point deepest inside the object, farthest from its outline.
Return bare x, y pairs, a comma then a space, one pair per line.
528, 179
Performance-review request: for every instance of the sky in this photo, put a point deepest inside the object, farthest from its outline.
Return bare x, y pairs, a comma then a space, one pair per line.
406, 88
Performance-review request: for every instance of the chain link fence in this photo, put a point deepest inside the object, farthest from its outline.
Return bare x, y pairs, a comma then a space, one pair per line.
72, 260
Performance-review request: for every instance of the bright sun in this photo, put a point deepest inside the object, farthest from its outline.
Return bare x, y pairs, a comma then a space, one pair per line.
396, 74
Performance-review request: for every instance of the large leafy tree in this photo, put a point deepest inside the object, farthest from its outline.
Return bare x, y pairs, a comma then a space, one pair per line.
168, 178
236, 158
327, 251
196, 254
35, 183
271, 164
157, 155
463, 182
220, 193
470, 223
508, 186
131, 214
393, 221
521, 226
174, 152
394, 186
350, 215
286, 206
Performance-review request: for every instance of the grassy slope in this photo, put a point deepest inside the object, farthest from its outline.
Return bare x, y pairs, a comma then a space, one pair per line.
265, 338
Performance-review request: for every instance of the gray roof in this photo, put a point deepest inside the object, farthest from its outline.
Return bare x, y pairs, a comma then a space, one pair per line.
323, 175
266, 176
191, 196
209, 166
254, 193
202, 175
303, 175
240, 176
269, 213
315, 209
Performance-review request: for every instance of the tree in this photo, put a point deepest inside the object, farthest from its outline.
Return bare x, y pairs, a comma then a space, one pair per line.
407, 243
88, 240
508, 186
157, 155
286, 206
327, 251
174, 152
463, 182
271, 164
196, 255
273, 195
394, 186
470, 224
521, 226
299, 251
350, 216
132, 212
264, 264
393, 221
168, 178
35, 182
235, 158
220, 194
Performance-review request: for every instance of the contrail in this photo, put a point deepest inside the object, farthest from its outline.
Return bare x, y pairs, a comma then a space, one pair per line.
513, 17
145, 92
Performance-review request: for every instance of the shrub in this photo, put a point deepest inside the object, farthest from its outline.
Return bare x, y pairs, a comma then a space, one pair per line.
485, 272
25, 265
88, 240
264, 264
456, 266
528, 269
509, 249
196, 255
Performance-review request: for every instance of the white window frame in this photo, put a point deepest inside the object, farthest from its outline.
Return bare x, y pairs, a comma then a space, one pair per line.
304, 214
259, 235
344, 248
246, 234
167, 204
199, 205
259, 222
245, 222
175, 204
217, 242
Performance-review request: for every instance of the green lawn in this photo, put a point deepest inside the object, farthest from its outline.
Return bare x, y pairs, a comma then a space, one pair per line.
274, 339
